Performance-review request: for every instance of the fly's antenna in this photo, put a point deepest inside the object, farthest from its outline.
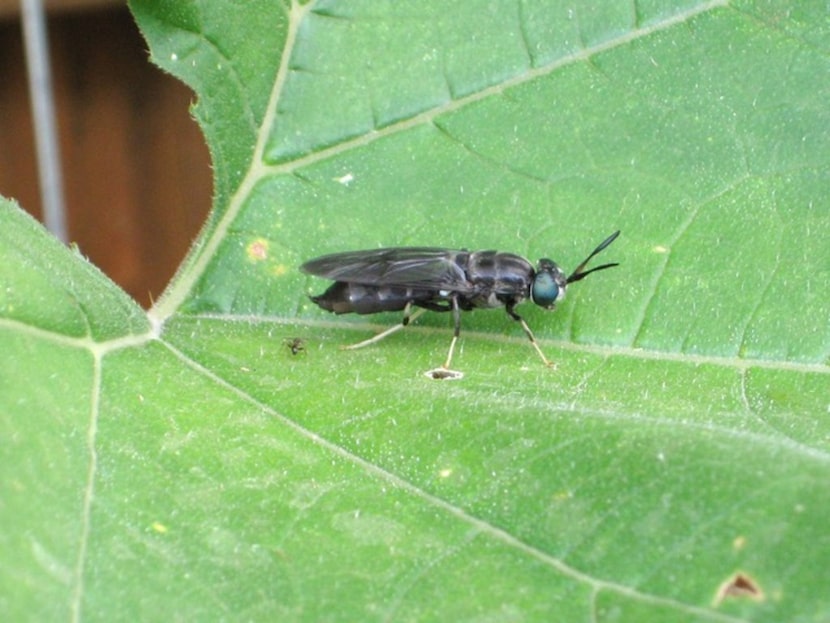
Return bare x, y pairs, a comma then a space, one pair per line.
577, 274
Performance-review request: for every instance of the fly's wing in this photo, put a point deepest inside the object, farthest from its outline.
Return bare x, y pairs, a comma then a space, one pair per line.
411, 267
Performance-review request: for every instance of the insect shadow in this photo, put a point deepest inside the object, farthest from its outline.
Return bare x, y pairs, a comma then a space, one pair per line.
442, 280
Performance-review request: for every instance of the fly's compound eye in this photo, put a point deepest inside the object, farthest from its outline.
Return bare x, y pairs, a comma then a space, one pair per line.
548, 285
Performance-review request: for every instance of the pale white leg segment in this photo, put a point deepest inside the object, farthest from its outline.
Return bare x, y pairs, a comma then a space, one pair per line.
407, 317
535, 344
456, 316
512, 313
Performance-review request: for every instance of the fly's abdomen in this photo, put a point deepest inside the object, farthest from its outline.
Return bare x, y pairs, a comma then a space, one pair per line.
356, 298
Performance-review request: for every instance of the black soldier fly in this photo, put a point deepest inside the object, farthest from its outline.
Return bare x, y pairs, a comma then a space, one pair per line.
436, 279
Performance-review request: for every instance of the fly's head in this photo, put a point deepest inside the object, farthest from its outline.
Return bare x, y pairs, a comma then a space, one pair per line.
549, 284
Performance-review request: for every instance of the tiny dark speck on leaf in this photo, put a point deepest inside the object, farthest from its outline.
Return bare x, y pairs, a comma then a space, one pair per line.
442, 374
295, 344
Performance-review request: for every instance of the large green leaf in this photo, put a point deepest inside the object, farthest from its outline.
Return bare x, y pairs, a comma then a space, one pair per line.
675, 465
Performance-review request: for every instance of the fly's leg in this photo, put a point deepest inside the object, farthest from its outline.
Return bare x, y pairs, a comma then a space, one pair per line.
444, 373
407, 317
512, 313
456, 317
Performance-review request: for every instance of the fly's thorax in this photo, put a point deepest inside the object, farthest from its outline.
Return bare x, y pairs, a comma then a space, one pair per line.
501, 270
548, 285
498, 277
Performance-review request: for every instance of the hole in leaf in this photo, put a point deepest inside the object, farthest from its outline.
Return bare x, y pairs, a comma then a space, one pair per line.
739, 586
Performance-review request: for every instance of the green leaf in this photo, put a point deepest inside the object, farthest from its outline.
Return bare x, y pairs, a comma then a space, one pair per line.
185, 463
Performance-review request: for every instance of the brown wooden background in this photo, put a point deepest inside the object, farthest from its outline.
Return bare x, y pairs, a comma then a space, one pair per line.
136, 170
